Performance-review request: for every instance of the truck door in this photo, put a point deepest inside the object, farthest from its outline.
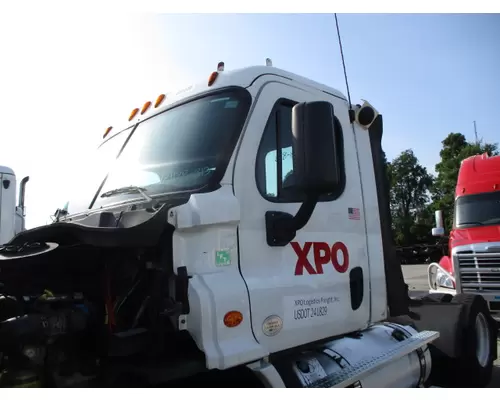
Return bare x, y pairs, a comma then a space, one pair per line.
316, 286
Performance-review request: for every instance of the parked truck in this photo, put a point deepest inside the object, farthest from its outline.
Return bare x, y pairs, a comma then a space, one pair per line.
12, 217
422, 253
241, 237
473, 263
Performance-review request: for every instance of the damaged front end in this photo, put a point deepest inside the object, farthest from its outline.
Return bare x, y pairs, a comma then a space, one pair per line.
82, 303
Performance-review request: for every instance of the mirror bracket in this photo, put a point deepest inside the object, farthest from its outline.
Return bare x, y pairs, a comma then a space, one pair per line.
281, 227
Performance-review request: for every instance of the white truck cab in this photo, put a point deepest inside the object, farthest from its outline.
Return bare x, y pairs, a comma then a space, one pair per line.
242, 224
296, 290
12, 217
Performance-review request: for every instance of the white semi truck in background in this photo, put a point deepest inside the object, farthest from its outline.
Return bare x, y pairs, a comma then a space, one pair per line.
241, 237
12, 217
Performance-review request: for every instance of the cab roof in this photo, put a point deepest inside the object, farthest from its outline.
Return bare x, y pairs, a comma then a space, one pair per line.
478, 174
6, 170
243, 77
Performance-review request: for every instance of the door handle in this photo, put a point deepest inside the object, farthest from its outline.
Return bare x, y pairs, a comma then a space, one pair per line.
357, 287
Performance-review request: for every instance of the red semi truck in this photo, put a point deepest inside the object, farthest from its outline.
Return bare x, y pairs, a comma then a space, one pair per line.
473, 263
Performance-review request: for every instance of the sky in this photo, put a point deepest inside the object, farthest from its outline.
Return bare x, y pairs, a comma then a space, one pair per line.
64, 80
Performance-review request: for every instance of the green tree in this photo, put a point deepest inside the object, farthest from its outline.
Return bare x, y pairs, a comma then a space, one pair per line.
387, 165
410, 184
422, 227
455, 149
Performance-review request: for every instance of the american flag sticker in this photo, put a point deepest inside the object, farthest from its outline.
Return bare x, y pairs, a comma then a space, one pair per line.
354, 213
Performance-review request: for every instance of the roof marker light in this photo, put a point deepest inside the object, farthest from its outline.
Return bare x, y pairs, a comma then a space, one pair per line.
213, 76
159, 100
107, 131
269, 62
145, 107
133, 114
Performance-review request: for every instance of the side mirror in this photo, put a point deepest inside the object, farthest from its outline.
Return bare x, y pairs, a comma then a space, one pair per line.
439, 229
316, 166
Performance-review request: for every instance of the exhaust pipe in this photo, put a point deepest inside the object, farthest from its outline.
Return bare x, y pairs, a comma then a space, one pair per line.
22, 191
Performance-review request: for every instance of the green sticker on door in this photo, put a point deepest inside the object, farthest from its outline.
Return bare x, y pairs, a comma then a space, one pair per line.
222, 258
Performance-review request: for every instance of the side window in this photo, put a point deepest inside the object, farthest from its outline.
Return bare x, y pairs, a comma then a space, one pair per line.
274, 166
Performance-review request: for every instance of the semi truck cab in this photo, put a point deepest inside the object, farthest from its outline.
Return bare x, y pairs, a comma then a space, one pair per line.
225, 232
473, 265
12, 217
238, 233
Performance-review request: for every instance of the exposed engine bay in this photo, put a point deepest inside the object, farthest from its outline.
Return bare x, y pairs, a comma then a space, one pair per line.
76, 298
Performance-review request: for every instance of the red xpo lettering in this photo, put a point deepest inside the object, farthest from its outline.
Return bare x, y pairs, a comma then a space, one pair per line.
323, 254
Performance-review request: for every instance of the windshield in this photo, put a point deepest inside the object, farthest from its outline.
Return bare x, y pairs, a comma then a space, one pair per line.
84, 185
183, 149
477, 210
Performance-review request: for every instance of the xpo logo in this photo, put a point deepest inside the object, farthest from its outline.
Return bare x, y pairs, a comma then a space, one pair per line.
337, 255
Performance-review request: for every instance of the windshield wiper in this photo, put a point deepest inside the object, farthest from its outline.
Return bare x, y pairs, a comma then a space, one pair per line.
128, 190
492, 221
471, 223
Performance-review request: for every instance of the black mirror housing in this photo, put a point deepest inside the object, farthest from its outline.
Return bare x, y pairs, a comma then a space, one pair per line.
316, 165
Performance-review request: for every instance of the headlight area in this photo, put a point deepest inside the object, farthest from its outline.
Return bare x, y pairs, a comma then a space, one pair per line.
439, 278
443, 279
